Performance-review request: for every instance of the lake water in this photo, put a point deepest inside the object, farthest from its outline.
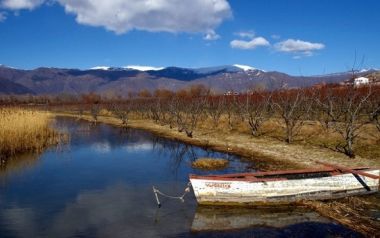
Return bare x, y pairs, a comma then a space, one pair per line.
100, 185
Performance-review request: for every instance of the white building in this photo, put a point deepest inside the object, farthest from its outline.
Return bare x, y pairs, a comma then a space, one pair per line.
361, 81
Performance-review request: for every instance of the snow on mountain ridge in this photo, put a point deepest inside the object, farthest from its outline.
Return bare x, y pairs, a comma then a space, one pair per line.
244, 67
101, 68
230, 68
143, 68
6, 66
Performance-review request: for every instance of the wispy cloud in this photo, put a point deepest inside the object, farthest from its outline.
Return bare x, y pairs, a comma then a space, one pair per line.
21, 4
299, 47
211, 35
249, 45
246, 34
3, 16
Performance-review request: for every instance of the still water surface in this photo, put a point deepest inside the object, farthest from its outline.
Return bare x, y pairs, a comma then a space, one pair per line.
100, 185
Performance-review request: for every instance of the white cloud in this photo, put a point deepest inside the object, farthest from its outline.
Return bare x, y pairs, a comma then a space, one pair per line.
246, 34
298, 46
121, 16
21, 4
276, 37
211, 35
247, 45
3, 16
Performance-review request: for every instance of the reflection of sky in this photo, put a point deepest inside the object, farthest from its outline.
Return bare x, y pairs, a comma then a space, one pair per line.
112, 212
101, 147
101, 186
144, 146
120, 210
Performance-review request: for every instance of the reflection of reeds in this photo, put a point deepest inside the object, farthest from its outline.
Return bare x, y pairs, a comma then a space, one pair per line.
24, 130
17, 164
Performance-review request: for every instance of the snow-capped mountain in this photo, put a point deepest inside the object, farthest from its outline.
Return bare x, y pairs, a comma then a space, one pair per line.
206, 70
121, 80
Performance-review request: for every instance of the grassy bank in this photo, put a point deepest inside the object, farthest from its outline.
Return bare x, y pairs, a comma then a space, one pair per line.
24, 130
268, 151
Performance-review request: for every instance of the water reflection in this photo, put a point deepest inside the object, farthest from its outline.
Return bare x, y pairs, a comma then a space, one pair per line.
112, 212
18, 164
100, 185
218, 219
116, 212
263, 222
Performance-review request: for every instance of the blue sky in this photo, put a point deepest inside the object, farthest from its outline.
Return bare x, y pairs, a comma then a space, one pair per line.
299, 37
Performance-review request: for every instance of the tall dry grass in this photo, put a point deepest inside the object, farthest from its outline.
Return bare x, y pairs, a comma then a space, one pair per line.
210, 163
24, 130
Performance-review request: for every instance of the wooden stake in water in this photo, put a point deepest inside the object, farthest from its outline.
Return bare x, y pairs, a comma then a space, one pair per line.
155, 194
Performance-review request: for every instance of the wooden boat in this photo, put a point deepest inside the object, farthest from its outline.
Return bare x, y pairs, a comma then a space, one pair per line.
292, 186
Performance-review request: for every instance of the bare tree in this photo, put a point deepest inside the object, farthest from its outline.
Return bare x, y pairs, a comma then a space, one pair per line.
193, 112
345, 109
178, 112
163, 111
121, 111
324, 107
154, 109
214, 108
293, 107
171, 111
374, 108
231, 109
258, 107
95, 110
375, 117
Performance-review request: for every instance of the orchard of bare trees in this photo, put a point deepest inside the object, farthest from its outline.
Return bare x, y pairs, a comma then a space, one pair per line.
349, 113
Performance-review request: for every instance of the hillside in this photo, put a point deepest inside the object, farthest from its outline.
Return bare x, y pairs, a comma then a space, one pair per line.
120, 81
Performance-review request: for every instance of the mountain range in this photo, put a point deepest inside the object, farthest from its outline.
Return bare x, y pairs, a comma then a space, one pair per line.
119, 81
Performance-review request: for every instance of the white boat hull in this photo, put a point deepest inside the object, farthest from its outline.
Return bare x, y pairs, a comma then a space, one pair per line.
239, 192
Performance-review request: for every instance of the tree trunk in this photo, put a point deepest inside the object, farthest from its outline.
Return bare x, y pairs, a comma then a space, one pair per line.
189, 133
289, 133
349, 150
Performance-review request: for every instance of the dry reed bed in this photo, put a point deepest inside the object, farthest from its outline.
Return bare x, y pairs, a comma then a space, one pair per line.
210, 163
24, 130
351, 212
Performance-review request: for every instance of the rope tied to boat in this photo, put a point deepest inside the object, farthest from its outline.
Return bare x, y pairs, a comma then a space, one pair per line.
181, 198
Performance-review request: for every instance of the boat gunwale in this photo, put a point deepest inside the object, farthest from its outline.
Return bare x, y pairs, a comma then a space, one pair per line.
257, 176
